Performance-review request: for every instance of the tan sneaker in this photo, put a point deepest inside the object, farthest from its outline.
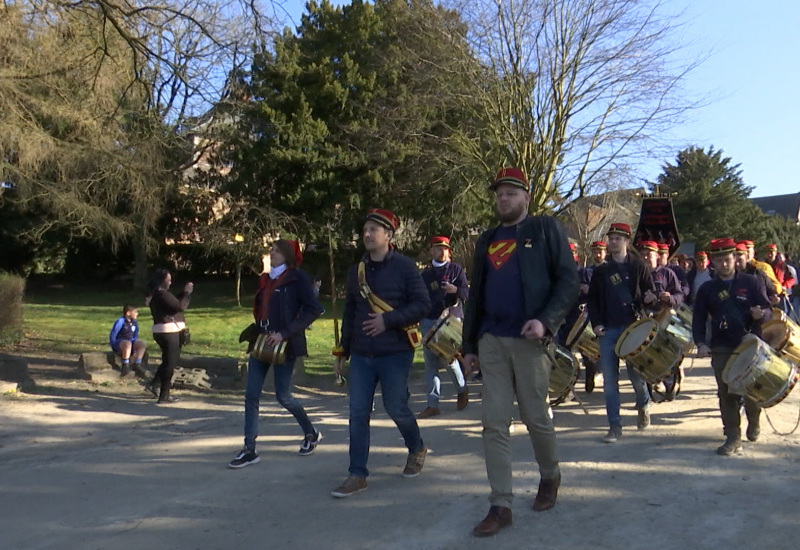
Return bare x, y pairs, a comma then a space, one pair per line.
415, 463
429, 412
351, 486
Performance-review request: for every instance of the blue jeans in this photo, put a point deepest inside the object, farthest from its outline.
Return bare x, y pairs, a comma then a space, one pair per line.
256, 374
392, 372
609, 363
433, 384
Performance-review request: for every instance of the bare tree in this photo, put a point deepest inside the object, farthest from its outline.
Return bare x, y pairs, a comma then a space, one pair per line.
96, 97
572, 90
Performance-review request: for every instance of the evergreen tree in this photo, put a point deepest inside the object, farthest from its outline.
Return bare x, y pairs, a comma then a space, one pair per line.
711, 199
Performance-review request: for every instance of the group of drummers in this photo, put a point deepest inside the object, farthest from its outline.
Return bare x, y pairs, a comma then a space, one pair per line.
630, 304
649, 311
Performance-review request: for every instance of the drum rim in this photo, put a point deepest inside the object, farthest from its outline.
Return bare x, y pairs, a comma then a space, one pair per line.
628, 330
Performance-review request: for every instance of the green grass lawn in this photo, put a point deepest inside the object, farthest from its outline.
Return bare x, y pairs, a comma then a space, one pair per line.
77, 319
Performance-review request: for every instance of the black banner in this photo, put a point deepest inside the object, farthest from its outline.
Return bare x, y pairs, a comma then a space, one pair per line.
657, 223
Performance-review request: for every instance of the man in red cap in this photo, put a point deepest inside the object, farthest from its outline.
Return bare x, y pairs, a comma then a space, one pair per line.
746, 263
782, 273
386, 298
701, 273
620, 289
524, 282
598, 252
667, 285
447, 286
674, 265
737, 304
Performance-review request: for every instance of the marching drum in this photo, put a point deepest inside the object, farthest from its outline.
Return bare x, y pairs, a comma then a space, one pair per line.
444, 339
271, 355
784, 337
678, 325
583, 338
757, 371
648, 348
563, 374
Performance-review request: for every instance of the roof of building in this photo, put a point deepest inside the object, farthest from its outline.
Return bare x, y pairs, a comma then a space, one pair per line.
783, 205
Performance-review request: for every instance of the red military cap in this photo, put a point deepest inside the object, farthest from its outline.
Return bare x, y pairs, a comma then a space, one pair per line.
298, 254
383, 217
511, 176
663, 247
749, 244
599, 245
722, 246
573, 246
440, 241
620, 229
772, 247
741, 248
700, 254
649, 245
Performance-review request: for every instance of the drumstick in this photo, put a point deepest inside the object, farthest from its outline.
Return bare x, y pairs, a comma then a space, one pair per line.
338, 379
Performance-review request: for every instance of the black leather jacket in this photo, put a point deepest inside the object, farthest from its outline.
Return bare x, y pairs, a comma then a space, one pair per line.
549, 277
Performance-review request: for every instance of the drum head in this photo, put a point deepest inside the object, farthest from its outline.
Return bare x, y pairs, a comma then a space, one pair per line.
635, 336
775, 333
745, 365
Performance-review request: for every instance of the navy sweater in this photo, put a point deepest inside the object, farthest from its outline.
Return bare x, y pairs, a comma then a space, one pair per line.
728, 304
397, 282
440, 300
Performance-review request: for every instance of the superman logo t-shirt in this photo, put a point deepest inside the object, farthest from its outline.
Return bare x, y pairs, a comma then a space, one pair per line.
503, 299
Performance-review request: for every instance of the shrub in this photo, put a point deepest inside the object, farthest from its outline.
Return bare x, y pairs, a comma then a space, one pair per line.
12, 291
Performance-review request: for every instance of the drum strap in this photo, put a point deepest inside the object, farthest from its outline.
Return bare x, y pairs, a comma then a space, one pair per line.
379, 306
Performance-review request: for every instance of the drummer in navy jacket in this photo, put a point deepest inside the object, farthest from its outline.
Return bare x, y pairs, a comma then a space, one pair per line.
737, 304
448, 289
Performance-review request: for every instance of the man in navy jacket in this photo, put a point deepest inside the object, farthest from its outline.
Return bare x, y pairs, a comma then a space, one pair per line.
386, 298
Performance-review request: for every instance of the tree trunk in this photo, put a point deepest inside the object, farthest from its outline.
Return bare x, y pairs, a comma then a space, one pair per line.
140, 264
239, 284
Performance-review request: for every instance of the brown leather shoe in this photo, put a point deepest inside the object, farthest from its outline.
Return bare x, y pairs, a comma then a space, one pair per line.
463, 400
546, 497
429, 412
497, 518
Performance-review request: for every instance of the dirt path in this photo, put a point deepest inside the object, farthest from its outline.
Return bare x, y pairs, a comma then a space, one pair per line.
101, 467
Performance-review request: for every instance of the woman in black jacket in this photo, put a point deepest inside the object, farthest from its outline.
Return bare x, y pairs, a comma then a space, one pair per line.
168, 322
284, 308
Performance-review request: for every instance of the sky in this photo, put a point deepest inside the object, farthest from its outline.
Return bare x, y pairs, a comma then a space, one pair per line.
748, 84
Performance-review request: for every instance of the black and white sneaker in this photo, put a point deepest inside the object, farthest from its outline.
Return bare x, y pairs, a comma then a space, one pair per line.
309, 444
244, 458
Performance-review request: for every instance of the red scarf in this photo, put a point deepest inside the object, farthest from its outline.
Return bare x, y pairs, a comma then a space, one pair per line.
268, 286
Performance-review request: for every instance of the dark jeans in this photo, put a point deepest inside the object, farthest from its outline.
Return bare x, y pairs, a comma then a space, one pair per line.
256, 374
729, 403
170, 345
392, 372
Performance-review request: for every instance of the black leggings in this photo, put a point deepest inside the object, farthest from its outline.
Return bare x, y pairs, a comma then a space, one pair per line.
170, 344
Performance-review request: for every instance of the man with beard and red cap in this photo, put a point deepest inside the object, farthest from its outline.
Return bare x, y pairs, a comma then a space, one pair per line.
447, 286
524, 282
737, 304
620, 289
386, 298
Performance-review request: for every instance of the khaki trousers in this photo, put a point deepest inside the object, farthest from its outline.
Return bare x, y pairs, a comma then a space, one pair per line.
515, 367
